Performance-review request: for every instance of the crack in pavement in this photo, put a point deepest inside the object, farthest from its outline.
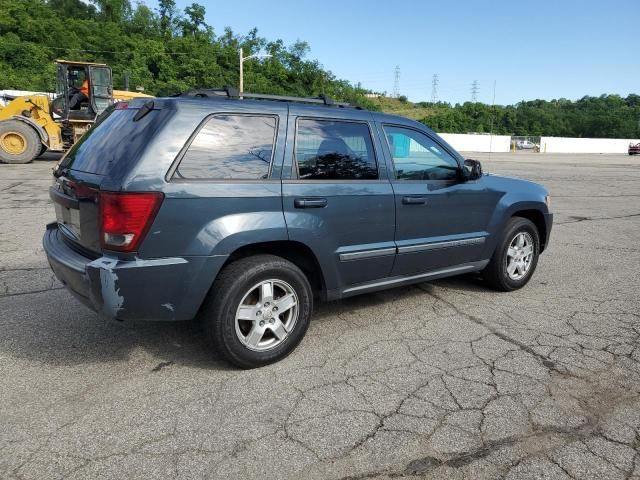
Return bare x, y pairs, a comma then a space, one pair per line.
547, 362
578, 219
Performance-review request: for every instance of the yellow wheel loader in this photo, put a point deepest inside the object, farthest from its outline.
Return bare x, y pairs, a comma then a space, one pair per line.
33, 124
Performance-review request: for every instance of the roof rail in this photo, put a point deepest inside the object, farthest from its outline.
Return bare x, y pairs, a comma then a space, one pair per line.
231, 92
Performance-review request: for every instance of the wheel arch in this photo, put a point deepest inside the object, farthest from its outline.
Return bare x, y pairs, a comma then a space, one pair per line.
537, 218
296, 252
44, 137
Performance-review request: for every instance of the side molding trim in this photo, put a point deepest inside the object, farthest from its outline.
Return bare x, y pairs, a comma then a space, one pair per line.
380, 252
440, 245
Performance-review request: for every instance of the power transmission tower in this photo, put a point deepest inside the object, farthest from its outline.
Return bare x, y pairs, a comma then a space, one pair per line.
396, 82
475, 88
434, 88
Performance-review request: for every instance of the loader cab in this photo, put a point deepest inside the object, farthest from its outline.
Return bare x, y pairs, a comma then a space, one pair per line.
70, 77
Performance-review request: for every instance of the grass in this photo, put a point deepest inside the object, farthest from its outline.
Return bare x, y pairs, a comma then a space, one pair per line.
405, 109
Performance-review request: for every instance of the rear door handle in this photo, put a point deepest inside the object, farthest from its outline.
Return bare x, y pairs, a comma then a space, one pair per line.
310, 202
414, 200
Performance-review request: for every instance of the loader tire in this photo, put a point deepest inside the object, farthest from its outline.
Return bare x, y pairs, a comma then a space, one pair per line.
19, 143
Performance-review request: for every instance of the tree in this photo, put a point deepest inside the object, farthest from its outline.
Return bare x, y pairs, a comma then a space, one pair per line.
169, 53
194, 23
167, 10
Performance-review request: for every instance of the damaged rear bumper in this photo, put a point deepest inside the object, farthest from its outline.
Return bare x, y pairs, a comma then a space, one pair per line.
138, 289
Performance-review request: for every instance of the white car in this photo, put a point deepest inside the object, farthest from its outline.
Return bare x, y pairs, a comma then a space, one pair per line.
526, 145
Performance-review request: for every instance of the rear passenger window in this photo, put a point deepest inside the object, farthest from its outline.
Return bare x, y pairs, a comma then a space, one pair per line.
230, 147
334, 150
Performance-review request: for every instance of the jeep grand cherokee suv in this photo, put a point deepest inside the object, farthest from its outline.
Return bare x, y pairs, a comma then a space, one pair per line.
243, 211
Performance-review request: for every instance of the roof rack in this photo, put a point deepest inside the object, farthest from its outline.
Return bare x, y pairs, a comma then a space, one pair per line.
231, 92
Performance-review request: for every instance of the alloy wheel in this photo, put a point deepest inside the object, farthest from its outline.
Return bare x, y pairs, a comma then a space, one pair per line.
266, 315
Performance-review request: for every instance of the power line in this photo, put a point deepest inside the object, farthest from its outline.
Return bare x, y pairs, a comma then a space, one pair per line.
434, 88
475, 88
108, 51
396, 82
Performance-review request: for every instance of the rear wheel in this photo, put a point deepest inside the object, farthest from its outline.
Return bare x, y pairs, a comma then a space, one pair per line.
19, 143
258, 310
516, 256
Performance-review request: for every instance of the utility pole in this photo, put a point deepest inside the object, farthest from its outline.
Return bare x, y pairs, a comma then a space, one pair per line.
493, 114
434, 88
475, 88
241, 71
242, 60
396, 82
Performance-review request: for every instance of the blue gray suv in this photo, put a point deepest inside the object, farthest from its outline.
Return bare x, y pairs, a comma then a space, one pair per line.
243, 211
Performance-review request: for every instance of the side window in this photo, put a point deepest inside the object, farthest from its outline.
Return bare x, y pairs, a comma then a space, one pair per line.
334, 150
418, 157
230, 147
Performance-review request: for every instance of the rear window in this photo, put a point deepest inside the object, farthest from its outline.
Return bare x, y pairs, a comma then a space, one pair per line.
115, 139
230, 147
334, 150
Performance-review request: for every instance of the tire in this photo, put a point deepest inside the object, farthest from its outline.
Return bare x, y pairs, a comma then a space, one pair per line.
19, 143
241, 282
497, 273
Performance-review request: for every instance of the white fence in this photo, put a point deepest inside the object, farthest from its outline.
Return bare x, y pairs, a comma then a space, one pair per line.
585, 145
7, 95
502, 143
478, 143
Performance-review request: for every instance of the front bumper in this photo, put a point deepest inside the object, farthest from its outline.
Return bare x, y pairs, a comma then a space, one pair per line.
548, 222
138, 289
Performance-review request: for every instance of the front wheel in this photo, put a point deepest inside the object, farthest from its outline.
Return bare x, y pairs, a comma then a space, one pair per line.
258, 310
516, 256
19, 142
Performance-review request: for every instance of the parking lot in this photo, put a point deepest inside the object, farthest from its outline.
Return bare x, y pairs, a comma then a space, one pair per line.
441, 380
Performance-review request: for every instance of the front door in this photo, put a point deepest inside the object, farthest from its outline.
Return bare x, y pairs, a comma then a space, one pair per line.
338, 199
441, 220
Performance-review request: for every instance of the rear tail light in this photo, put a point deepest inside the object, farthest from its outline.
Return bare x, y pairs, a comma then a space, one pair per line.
125, 218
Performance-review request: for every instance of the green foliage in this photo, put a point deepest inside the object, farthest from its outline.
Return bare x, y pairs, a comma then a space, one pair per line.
607, 116
165, 51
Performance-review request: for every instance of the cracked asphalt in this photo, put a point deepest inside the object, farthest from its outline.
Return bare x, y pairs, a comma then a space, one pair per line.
441, 380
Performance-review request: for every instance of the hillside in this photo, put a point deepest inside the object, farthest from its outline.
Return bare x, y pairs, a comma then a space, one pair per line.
606, 116
167, 51
407, 109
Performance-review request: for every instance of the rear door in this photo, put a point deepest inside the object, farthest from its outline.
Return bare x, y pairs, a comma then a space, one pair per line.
336, 194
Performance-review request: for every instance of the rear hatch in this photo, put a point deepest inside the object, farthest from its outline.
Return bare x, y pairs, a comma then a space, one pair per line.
103, 156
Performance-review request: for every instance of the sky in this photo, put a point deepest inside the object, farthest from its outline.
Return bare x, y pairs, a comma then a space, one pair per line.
543, 49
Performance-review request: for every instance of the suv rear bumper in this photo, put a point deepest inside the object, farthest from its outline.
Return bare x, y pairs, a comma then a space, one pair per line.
154, 289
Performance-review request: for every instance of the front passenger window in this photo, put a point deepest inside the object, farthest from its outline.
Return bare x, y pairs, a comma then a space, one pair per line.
418, 157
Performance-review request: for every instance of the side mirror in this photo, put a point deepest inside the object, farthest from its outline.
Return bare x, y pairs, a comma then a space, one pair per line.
472, 169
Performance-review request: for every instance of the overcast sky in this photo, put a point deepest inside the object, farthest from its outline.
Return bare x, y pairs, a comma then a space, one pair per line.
542, 49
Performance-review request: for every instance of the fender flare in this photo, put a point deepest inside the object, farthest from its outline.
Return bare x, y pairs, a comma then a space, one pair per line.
44, 137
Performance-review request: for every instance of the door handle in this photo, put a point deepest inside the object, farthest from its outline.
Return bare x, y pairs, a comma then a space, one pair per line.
414, 200
310, 202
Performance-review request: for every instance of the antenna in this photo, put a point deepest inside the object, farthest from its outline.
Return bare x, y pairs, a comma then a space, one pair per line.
475, 88
396, 82
434, 88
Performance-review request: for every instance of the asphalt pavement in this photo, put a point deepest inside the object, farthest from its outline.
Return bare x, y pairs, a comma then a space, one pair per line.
439, 380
